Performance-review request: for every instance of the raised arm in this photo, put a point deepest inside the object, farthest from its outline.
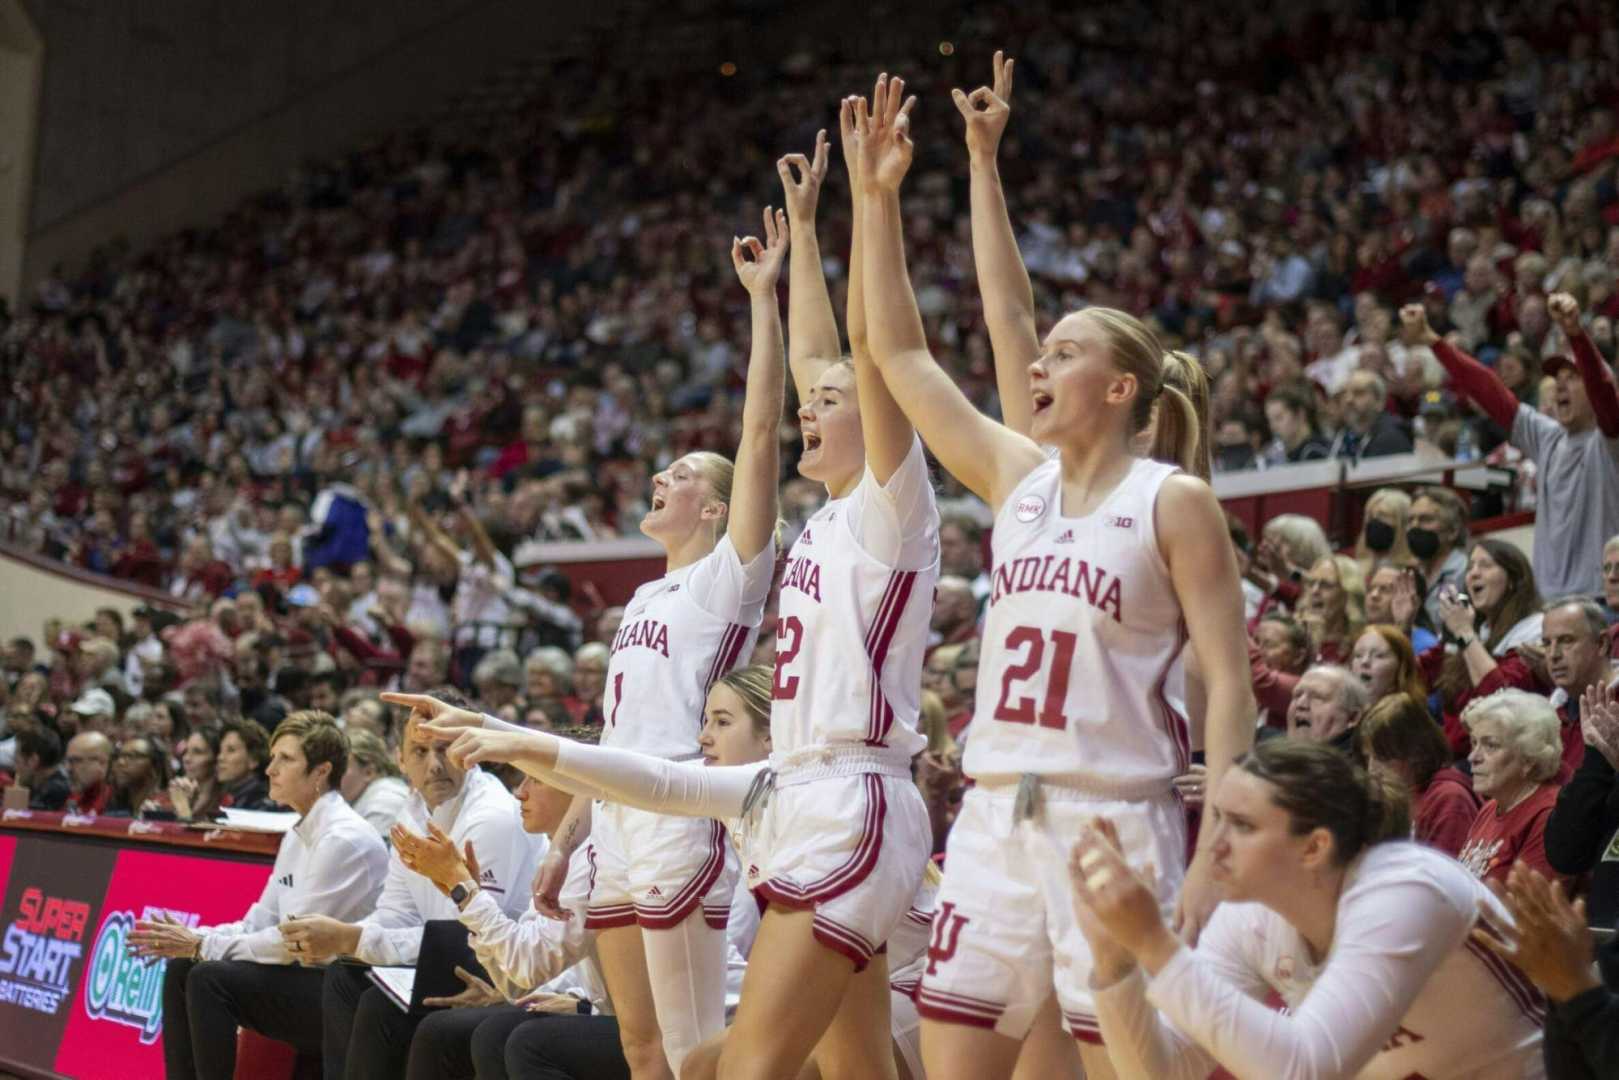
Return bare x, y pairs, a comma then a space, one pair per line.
758, 456
1003, 280
812, 328
983, 455
1472, 378
1594, 370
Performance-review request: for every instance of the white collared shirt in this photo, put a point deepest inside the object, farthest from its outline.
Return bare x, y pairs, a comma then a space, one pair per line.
484, 813
330, 863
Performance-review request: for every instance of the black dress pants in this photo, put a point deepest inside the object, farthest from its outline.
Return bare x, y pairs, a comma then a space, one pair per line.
442, 1046
365, 1036
204, 1003
548, 1046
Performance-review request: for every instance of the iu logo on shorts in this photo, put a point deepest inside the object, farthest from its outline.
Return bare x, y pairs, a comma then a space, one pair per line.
946, 935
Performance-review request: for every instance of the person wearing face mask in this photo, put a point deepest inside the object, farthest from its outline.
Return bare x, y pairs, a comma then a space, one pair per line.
1437, 536
1576, 454
1382, 530
1495, 628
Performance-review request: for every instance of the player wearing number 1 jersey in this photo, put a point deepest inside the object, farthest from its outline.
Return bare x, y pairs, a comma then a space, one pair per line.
661, 885
1103, 565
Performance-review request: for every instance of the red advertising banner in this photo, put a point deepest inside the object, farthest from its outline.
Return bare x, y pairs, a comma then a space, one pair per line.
72, 1002
116, 1024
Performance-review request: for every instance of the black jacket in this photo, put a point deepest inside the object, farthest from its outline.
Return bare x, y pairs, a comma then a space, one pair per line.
1582, 1033
1582, 834
1387, 435
50, 793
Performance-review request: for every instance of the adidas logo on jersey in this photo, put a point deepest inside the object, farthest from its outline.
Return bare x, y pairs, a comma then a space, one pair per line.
488, 875
1067, 537
805, 539
654, 891
674, 588
285, 882
753, 870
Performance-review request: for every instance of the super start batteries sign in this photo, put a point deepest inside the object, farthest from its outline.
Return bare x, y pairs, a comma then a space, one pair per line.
72, 999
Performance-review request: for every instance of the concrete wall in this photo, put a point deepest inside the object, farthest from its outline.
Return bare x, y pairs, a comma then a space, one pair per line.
158, 114
22, 63
34, 590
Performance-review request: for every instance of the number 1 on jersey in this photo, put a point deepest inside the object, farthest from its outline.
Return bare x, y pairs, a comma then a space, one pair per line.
1021, 709
618, 698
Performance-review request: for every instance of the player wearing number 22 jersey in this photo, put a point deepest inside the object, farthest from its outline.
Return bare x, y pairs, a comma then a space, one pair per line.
844, 831
1080, 638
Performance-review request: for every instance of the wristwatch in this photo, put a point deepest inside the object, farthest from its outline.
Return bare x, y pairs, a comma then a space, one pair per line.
462, 893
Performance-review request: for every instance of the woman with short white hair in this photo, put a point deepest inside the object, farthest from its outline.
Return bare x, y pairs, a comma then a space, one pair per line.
1517, 749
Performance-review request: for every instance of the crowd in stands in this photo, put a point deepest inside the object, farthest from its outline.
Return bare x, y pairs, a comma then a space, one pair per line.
336, 424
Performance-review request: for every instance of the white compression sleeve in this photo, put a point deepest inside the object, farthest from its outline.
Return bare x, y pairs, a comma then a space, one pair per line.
688, 788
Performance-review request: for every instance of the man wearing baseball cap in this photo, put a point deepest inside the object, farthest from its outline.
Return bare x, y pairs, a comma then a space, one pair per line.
1576, 451
95, 710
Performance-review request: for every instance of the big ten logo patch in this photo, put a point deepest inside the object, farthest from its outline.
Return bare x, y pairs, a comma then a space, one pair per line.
122, 988
946, 936
39, 950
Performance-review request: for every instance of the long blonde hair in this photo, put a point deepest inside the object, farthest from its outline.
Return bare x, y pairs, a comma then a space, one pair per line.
1397, 500
1181, 432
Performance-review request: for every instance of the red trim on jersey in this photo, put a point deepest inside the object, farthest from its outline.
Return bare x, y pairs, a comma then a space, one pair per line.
879, 638
610, 918
908, 987
1523, 993
950, 1008
1086, 1029
841, 939
1174, 722
718, 918
920, 918
684, 902
725, 656
790, 894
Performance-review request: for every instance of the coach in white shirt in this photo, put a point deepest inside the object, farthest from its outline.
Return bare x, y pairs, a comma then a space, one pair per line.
365, 1033
331, 863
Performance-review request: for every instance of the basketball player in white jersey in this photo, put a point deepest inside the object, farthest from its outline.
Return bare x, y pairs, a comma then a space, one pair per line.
1363, 934
662, 885
1103, 563
736, 746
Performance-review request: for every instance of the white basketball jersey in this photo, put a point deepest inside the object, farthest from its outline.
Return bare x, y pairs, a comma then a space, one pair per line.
1081, 635
856, 600
1474, 1016
680, 633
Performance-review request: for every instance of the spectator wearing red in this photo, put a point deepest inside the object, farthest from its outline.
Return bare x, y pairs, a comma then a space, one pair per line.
1491, 624
199, 577
89, 757
1576, 455
1517, 750
1576, 643
283, 572
1400, 738
1278, 653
